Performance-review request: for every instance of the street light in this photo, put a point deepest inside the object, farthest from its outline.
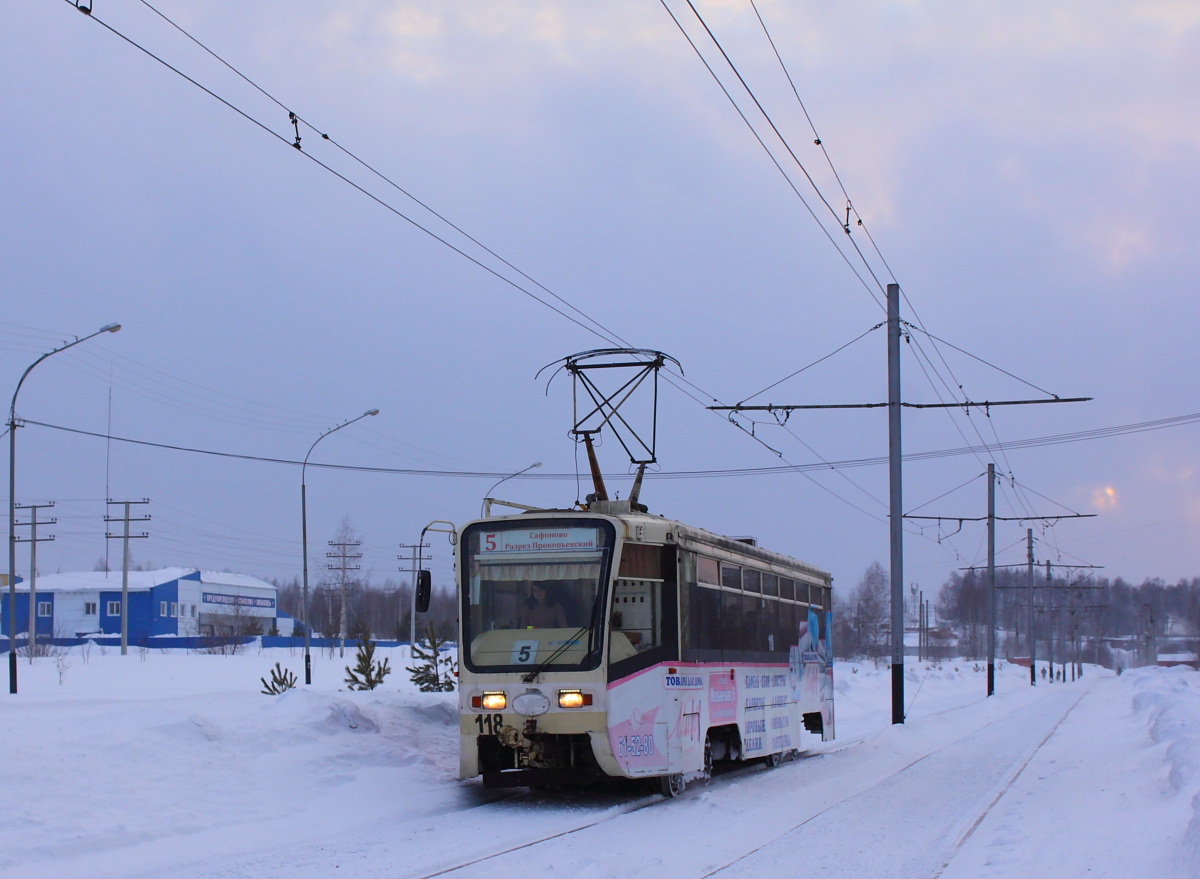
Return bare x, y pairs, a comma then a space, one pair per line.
304, 538
488, 495
12, 504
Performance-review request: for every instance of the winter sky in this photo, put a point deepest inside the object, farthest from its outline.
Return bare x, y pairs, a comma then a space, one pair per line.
1028, 171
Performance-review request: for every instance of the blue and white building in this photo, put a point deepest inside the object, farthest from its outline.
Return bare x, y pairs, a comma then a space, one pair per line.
172, 601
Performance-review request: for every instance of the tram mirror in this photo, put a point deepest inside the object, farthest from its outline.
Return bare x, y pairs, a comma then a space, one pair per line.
424, 588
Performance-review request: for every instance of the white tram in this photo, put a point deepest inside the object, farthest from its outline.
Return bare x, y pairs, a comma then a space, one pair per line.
613, 642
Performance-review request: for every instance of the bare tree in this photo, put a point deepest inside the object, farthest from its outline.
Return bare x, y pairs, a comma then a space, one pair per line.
870, 605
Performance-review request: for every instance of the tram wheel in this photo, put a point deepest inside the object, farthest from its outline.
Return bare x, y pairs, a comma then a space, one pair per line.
672, 785
774, 760
708, 759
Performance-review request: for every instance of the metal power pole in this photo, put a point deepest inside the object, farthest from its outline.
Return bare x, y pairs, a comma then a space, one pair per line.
896, 517
1050, 621
33, 540
921, 653
991, 540
1032, 640
125, 538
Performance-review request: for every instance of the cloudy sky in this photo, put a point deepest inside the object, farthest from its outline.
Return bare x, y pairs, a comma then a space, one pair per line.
1028, 172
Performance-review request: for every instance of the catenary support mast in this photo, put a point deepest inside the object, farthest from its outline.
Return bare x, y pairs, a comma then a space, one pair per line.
896, 518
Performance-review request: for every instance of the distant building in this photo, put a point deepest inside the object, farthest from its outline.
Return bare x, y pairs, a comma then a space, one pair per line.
172, 601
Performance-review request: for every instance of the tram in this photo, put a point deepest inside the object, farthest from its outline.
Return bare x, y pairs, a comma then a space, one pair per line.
606, 641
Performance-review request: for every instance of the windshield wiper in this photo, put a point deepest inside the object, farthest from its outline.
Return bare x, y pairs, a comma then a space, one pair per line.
532, 675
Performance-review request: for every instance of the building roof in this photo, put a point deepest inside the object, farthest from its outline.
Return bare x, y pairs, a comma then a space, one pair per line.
224, 578
139, 581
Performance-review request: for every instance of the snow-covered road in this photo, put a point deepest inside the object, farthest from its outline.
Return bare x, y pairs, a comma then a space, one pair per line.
175, 764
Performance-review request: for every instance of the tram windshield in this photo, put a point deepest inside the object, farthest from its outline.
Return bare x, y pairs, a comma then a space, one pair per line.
533, 594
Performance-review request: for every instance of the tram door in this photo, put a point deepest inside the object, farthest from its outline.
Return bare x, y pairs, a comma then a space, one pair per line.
645, 615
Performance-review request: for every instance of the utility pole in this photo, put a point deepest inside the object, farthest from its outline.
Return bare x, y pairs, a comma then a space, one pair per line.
922, 655
1050, 618
125, 537
896, 510
344, 557
400, 608
896, 515
33, 540
991, 540
1032, 640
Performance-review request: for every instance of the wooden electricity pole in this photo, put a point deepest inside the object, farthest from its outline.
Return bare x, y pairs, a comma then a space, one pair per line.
125, 537
33, 540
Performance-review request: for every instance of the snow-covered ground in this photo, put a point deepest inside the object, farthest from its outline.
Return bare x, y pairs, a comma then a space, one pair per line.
160, 764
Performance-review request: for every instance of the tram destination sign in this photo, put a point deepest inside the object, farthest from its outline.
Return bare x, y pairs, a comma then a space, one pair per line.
539, 540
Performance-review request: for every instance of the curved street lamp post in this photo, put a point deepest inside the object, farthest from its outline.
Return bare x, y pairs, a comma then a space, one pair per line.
304, 539
12, 504
483, 506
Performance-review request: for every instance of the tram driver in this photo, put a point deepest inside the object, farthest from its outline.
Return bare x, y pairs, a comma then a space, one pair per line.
542, 609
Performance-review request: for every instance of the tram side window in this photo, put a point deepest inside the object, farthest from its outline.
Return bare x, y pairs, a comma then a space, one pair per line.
701, 608
754, 629
731, 624
787, 630
743, 622
641, 561
824, 606
645, 609
787, 588
731, 577
705, 613
686, 578
638, 613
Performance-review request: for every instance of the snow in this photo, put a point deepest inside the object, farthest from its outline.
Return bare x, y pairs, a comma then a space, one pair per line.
169, 762
225, 578
91, 581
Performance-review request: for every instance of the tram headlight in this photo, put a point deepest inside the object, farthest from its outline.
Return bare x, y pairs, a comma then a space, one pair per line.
494, 700
573, 699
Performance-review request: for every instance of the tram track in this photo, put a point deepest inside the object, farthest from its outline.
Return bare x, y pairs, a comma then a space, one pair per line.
1007, 786
963, 831
615, 812
976, 819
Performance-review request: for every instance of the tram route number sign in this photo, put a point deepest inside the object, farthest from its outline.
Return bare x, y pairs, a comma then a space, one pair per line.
524, 652
539, 540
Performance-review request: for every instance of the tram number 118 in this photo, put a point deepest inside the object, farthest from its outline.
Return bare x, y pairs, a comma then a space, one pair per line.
489, 724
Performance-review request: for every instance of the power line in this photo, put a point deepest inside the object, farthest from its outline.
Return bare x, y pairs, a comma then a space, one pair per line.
814, 363
849, 203
1032, 442
771, 155
820, 142
373, 170
600, 333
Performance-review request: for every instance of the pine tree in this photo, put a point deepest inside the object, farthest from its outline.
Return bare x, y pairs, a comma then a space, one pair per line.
281, 681
432, 673
367, 674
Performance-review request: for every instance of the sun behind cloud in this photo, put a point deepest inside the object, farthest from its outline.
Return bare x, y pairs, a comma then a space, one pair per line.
1104, 498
